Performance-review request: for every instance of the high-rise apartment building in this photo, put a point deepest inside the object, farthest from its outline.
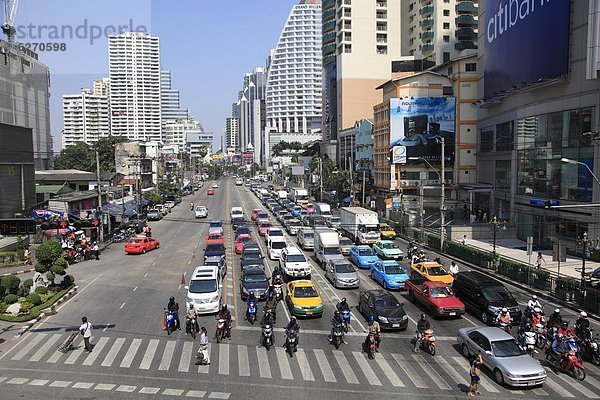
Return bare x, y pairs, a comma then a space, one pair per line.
135, 78
231, 133
438, 30
250, 109
360, 40
85, 117
294, 85
170, 99
101, 87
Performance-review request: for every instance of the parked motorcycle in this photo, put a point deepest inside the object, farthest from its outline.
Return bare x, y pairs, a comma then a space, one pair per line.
589, 347
346, 319
251, 312
291, 341
221, 331
267, 337
337, 335
569, 364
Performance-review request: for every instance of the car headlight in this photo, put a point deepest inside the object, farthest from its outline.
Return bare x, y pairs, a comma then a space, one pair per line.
383, 319
512, 375
190, 301
296, 307
213, 299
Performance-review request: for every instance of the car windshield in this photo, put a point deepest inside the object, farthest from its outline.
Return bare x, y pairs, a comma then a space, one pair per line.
507, 348
496, 293
252, 253
436, 271
385, 228
334, 219
200, 208
216, 224
345, 242
442, 291
296, 258
212, 263
136, 241
262, 215
278, 245
288, 217
305, 291
215, 248
242, 231
295, 223
203, 286
252, 261
265, 224
386, 302
276, 232
366, 252
331, 250
214, 235
344, 268
394, 270
244, 239
257, 277
319, 222
388, 246
309, 235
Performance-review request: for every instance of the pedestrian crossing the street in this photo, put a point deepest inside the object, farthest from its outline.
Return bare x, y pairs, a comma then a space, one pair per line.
347, 366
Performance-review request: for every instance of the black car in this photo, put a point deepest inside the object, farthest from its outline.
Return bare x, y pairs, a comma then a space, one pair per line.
596, 273
214, 250
137, 224
484, 296
251, 261
242, 230
253, 280
237, 222
384, 307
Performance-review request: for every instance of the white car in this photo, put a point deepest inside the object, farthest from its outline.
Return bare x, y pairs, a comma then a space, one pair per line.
294, 263
170, 204
204, 290
239, 182
236, 212
275, 248
273, 234
215, 186
201, 212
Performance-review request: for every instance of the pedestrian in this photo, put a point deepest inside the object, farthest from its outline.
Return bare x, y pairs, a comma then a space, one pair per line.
27, 256
475, 373
539, 260
473, 218
96, 251
464, 240
203, 338
453, 269
202, 357
86, 330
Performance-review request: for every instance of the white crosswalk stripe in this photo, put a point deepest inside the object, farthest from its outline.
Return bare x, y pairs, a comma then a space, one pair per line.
326, 370
558, 388
577, 386
203, 369
186, 355
345, 367
89, 360
243, 364
112, 353
29, 346
149, 355
450, 370
37, 356
307, 373
131, 352
284, 364
224, 359
439, 381
165, 361
74, 356
414, 377
366, 368
263, 363
388, 371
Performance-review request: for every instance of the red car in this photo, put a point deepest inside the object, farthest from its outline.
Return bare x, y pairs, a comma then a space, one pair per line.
254, 213
310, 208
264, 227
437, 297
210, 192
240, 242
140, 245
215, 238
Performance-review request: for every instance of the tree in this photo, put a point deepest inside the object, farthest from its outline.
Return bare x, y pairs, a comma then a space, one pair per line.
77, 156
48, 252
106, 152
154, 198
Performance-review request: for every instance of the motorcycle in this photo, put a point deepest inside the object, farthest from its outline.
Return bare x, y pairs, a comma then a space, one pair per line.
278, 291
370, 346
291, 341
505, 326
589, 347
221, 331
191, 327
569, 364
428, 341
337, 336
540, 335
528, 341
346, 319
251, 312
272, 316
267, 337
171, 323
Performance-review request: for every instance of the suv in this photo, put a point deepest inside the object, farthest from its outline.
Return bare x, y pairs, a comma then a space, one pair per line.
204, 290
275, 248
273, 233
484, 296
306, 238
294, 264
201, 212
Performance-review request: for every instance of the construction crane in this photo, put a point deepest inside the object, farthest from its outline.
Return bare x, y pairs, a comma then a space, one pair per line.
8, 27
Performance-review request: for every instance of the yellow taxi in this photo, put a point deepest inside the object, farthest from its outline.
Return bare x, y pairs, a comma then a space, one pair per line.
303, 299
387, 232
431, 271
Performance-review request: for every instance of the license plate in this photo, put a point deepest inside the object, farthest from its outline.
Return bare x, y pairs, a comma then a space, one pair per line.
452, 314
395, 325
309, 313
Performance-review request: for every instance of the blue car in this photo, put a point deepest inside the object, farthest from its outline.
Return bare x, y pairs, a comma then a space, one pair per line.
363, 256
389, 274
296, 210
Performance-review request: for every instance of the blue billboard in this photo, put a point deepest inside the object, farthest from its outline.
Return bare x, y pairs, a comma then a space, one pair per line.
525, 41
417, 123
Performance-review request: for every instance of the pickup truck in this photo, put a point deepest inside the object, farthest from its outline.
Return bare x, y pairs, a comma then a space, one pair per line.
437, 297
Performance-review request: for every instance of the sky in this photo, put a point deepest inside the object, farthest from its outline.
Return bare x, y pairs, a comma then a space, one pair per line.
207, 45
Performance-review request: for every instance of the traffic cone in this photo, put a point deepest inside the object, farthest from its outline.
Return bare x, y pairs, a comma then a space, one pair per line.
164, 321
182, 279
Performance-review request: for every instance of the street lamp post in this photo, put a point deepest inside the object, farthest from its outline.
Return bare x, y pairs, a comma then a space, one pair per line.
495, 224
575, 162
584, 243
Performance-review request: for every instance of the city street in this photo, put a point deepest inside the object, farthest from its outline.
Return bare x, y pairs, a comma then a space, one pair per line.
123, 296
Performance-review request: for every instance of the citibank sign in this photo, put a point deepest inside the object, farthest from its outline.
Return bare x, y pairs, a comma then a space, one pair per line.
525, 41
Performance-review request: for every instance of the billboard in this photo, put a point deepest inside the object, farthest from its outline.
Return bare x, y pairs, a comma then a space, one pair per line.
525, 41
415, 125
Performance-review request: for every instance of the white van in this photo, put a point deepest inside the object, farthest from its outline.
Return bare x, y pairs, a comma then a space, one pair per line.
204, 290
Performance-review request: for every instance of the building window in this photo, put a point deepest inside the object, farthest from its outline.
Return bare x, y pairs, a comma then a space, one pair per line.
412, 175
471, 67
502, 175
446, 25
347, 48
446, 56
447, 91
446, 39
446, 13
486, 140
450, 71
505, 135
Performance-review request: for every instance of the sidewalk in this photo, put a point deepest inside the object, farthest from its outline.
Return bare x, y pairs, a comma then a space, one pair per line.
513, 248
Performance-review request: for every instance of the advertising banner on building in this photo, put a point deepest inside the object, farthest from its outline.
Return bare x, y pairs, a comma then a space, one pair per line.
525, 41
417, 124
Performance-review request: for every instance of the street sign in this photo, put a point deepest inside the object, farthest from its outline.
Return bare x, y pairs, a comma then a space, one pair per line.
529, 245
17, 226
399, 155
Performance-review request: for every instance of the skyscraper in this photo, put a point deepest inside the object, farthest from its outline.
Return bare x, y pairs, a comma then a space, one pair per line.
135, 78
294, 85
231, 133
85, 118
170, 100
251, 107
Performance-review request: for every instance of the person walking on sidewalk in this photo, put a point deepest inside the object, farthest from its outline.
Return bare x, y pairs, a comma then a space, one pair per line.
464, 240
86, 330
475, 373
539, 260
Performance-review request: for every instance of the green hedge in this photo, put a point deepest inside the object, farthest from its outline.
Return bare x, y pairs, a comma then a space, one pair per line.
8, 257
36, 311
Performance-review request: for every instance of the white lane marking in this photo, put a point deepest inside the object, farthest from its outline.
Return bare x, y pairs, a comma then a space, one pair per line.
38, 382
83, 385
89, 360
149, 355
45, 347
263, 363
415, 378
179, 287
135, 288
243, 363
186, 355
126, 388
483, 383
307, 374
131, 352
165, 362
172, 392
326, 370
579, 387
203, 369
284, 364
17, 381
219, 395
104, 386
439, 381
74, 356
60, 384
558, 388
224, 359
105, 328
112, 353
149, 390
449, 369
388, 371
366, 368
195, 393
540, 392
145, 275
345, 367
122, 305
32, 343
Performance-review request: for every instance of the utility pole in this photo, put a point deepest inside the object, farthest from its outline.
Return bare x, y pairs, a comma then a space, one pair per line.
320, 179
101, 233
363, 188
422, 211
442, 205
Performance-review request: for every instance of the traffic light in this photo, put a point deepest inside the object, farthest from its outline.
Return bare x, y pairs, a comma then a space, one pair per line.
17, 226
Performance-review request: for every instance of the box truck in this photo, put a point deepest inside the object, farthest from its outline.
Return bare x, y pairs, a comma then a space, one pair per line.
360, 224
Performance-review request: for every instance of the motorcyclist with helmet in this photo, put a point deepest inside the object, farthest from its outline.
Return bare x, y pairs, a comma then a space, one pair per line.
566, 330
342, 305
504, 318
270, 315
582, 325
191, 318
533, 303
422, 325
226, 315
335, 321
192, 206
293, 326
374, 329
559, 349
270, 292
555, 320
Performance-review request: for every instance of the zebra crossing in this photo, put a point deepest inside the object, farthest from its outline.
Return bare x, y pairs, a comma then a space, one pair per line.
413, 371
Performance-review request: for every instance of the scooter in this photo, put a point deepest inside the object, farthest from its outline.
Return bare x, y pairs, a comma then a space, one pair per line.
221, 331
370, 346
251, 312
337, 335
346, 319
428, 341
540, 335
569, 364
589, 347
171, 323
528, 341
291, 341
267, 336
278, 291
191, 326
505, 326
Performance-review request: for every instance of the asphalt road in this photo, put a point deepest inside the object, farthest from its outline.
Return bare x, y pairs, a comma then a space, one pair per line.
123, 297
